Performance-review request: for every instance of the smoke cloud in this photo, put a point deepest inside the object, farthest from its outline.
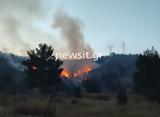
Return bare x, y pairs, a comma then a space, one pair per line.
18, 31
16, 20
71, 31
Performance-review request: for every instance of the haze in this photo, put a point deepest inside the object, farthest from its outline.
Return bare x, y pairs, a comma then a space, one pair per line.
98, 23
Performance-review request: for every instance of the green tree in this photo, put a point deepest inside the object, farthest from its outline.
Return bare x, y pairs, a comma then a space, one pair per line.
147, 74
43, 70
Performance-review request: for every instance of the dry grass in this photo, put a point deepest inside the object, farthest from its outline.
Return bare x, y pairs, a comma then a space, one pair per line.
21, 106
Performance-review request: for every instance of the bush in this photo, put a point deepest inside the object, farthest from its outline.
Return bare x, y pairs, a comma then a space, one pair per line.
77, 92
91, 86
122, 98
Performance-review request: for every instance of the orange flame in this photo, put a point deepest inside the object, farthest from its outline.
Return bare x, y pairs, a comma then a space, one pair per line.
84, 70
65, 74
87, 69
34, 67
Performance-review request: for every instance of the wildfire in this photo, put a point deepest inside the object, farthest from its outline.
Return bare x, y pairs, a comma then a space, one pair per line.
84, 70
65, 74
87, 69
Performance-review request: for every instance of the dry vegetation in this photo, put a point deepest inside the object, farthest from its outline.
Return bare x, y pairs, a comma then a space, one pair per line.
89, 106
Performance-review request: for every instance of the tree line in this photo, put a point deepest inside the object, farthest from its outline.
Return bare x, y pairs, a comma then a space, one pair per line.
43, 71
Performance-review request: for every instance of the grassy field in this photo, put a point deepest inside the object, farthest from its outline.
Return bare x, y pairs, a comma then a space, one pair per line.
88, 106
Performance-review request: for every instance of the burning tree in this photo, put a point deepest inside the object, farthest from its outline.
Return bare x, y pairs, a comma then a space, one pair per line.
43, 69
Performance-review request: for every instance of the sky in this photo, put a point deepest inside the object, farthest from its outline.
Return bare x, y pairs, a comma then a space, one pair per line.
26, 23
